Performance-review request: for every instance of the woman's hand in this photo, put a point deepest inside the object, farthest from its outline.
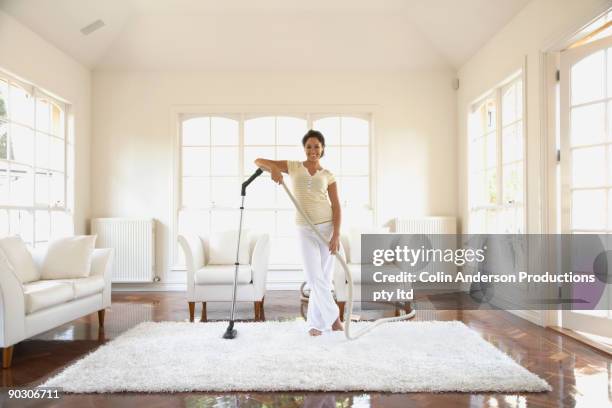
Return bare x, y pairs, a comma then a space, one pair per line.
276, 175
334, 243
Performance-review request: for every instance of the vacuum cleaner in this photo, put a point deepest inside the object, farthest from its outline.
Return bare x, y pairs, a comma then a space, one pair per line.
230, 333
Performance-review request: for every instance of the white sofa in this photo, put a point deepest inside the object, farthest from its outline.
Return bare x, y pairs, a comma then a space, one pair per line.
33, 307
208, 282
354, 263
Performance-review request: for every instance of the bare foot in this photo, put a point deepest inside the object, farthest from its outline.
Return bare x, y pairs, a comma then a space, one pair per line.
314, 332
337, 326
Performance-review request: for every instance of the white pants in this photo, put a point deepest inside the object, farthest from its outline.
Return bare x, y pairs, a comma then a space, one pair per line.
318, 267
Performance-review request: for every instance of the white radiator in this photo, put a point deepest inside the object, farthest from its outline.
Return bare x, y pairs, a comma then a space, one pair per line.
134, 243
438, 230
426, 225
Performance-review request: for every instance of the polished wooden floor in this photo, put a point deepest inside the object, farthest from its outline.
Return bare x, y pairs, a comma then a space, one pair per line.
580, 376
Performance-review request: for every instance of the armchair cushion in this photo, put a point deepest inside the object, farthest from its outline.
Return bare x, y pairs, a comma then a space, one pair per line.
222, 246
45, 293
20, 259
69, 257
222, 275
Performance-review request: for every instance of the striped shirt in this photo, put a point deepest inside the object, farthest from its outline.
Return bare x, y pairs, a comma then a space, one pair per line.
311, 192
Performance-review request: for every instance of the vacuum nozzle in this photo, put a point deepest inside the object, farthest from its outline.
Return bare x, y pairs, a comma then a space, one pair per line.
230, 332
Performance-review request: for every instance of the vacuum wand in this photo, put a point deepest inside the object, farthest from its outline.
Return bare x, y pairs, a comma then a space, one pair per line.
230, 332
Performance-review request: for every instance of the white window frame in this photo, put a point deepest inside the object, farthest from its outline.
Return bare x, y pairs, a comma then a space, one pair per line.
245, 112
496, 95
68, 167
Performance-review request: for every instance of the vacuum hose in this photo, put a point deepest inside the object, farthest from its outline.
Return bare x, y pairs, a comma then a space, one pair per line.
349, 278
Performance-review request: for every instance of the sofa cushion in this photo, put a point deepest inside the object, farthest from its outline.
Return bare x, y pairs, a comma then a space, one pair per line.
222, 275
20, 259
85, 286
68, 258
46, 293
222, 247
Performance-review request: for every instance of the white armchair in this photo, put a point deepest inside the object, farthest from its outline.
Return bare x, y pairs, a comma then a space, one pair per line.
214, 283
32, 307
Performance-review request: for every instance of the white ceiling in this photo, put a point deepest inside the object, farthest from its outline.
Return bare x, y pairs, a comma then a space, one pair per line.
267, 34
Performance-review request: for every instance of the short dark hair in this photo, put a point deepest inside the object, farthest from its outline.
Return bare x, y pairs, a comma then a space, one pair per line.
317, 135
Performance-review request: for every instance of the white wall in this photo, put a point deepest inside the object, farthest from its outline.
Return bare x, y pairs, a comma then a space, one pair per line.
536, 27
28, 56
133, 134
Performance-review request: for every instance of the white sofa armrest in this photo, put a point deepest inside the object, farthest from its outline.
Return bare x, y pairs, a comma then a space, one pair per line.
195, 258
102, 264
259, 263
12, 306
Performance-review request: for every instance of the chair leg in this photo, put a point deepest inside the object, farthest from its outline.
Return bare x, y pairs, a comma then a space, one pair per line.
262, 315
256, 309
204, 316
191, 310
7, 357
341, 310
101, 318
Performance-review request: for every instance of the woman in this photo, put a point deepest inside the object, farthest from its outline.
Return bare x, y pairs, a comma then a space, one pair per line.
311, 187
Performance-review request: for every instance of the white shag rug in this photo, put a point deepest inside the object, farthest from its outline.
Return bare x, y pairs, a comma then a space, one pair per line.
280, 356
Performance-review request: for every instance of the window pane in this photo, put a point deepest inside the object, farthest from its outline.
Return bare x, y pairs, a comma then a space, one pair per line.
512, 143
21, 185
42, 150
587, 78
225, 192
4, 183
57, 121
588, 209
56, 154
252, 153
193, 222
21, 105
284, 251
513, 183
587, 124
354, 191
196, 132
259, 131
491, 155
509, 106
589, 166
330, 127
61, 224
261, 193
223, 131
331, 159
196, 192
4, 223
22, 144
475, 125
21, 223
224, 220
3, 99
355, 131
355, 161
4, 140
196, 161
609, 74
285, 223
57, 186
477, 154
257, 220
224, 161
43, 226
295, 152
477, 189
42, 188
43, 115
290, 130
491, 186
